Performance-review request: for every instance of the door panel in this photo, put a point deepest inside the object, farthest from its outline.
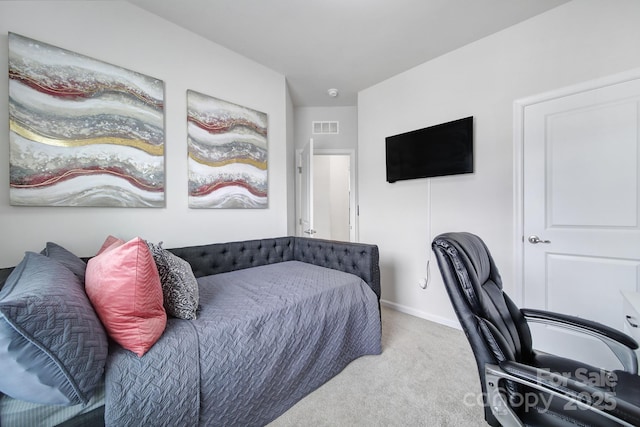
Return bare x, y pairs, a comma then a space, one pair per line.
306, 195
592, 157
580, 193
574, 283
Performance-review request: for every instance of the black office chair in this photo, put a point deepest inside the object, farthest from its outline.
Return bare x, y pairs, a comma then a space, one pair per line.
520, 385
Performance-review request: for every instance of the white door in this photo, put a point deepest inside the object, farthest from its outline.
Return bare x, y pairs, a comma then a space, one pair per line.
581, 199
306, 195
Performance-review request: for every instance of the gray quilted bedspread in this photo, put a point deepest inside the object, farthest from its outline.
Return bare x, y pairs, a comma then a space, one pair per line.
264, 338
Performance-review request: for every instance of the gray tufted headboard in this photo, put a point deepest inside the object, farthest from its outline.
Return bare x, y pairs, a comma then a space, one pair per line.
357, 258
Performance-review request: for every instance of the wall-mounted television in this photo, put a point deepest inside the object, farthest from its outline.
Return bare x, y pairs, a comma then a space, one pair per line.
444, 149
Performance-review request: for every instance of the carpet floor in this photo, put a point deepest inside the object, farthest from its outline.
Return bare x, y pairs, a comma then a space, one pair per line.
425, 376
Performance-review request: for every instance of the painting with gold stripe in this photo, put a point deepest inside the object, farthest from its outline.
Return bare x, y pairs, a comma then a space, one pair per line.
82, 132
227, 146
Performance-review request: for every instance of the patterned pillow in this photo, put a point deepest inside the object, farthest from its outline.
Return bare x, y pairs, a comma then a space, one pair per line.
66, 258
53, 347
179, 285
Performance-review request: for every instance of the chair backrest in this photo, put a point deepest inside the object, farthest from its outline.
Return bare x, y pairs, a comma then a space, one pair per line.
494, 326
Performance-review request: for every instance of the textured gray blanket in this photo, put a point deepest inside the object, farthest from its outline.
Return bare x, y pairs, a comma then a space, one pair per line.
264, 338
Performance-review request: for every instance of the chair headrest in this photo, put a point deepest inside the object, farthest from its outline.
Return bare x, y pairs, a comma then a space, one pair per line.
471, 251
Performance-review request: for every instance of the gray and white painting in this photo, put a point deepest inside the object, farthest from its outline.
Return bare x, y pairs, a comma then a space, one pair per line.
82, 132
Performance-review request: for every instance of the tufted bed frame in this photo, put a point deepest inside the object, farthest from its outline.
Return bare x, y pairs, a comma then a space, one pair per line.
355, 258
358, 259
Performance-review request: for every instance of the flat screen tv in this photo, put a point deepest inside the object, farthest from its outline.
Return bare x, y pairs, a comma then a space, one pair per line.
444, 149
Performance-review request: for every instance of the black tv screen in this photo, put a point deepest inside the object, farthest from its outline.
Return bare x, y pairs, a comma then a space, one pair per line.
444, 149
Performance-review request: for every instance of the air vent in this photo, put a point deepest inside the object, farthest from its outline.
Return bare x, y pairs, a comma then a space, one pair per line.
325, 127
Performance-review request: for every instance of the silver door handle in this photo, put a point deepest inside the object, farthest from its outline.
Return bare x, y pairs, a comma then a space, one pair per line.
310, 231
535, 240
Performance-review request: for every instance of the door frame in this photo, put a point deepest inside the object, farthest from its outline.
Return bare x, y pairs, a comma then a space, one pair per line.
353, 196
519, 107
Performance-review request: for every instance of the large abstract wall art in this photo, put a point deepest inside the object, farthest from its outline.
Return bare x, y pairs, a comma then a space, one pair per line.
227, 146
82, 132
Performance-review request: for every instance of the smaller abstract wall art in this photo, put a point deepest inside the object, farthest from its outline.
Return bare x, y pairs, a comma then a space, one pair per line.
227, 146
82, 132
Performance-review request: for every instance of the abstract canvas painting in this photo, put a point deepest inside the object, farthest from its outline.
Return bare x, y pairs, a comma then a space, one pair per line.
82, 132
227, 145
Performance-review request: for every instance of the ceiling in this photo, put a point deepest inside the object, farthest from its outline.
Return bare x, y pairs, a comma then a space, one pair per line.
344, 44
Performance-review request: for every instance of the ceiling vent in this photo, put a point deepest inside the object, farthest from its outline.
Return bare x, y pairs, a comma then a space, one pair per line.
325, 128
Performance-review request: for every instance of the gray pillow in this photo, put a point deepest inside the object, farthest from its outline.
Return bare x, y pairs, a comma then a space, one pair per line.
179, 285
66, 258
53, 347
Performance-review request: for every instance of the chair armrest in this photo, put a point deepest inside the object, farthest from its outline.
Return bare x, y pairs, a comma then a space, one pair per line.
582, 324
577, 395
622, 345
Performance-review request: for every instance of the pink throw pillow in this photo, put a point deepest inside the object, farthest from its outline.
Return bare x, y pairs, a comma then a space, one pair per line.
110, 243
124, 287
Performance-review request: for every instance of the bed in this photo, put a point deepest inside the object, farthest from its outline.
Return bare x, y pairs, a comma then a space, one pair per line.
276, 319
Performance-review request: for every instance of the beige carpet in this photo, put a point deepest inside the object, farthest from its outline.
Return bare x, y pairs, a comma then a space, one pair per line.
425, 376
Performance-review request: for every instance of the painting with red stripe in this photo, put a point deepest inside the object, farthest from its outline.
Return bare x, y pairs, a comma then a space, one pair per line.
82, 132
227, 145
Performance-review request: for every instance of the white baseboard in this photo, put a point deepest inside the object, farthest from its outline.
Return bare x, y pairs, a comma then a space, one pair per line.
421, 314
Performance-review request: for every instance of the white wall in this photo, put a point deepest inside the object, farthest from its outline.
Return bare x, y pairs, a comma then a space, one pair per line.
346, 139
576, 42
122, 34
331, 196
322, 196
339, 188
